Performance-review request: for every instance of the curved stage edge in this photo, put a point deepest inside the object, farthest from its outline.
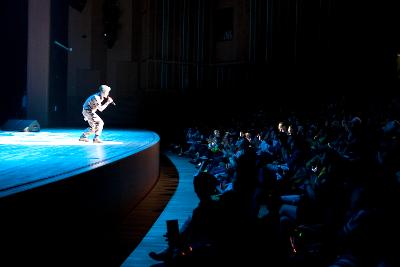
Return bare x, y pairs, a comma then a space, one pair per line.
70, 217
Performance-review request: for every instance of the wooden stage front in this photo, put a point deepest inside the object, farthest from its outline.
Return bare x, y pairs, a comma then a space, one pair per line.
60, 197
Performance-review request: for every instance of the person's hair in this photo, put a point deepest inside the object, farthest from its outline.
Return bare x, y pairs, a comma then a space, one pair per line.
205, 184
103, 88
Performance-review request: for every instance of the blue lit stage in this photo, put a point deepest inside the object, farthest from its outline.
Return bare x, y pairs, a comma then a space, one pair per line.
31, 159
63, 199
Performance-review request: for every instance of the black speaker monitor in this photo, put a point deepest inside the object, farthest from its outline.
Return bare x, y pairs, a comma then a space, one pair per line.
21, 126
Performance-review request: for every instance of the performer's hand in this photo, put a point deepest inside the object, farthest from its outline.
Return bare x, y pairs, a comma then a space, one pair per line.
109, 100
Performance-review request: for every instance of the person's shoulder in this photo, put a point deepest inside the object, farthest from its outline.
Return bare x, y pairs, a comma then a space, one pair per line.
227, 197
97, 96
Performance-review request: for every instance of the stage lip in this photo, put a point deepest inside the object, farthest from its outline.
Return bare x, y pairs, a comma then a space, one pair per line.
131, 147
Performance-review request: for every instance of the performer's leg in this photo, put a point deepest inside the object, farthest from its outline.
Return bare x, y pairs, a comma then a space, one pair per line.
88, 116
88, 131
92, 127
99, 125
84, 136
99, 128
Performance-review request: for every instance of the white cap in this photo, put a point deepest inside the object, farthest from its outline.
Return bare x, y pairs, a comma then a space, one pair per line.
104, 88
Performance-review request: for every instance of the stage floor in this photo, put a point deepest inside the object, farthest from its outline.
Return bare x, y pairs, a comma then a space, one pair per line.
31, 159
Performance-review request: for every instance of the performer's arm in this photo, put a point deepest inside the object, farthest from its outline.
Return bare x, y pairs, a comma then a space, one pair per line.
103, 107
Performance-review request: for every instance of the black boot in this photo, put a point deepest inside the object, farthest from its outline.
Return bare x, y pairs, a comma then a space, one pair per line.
164, 255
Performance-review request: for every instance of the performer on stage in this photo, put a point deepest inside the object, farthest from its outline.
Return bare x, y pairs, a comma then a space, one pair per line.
91, 105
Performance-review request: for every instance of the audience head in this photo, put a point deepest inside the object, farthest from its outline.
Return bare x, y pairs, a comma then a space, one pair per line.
205, 185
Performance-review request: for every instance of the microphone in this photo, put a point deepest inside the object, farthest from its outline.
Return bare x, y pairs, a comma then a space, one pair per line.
112, 102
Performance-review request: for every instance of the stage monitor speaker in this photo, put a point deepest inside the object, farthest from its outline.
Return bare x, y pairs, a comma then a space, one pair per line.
21, 126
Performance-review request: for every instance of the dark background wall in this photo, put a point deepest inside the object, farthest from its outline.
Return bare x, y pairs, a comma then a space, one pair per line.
13, 47
186, 58
58, 62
